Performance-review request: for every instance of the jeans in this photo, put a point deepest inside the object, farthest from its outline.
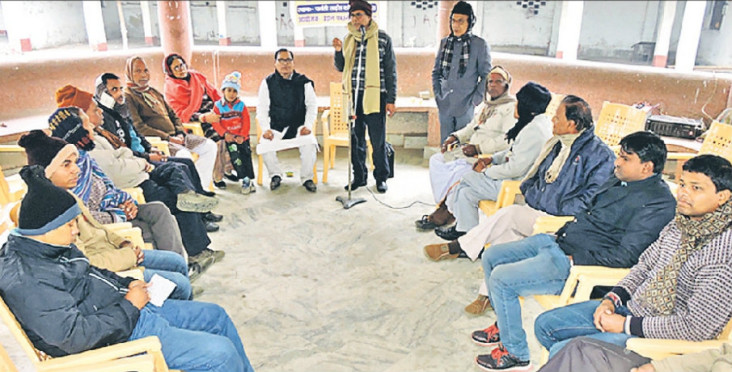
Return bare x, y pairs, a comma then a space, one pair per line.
534, 265
376, 125
171, 266
196, 336
450, 124
555, 328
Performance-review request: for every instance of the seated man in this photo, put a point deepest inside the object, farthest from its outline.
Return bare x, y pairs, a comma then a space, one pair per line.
75, 307
526, 137
287, 109
680, 287
484, 135
621, 220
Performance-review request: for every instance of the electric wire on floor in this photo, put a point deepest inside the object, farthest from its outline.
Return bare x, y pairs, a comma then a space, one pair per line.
393, 207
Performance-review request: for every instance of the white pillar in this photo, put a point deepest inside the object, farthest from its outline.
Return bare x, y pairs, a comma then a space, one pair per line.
660, 52
224, 38
383, 20
17, 25
147, 23
690, 31
268, 23
570, 25
95, 25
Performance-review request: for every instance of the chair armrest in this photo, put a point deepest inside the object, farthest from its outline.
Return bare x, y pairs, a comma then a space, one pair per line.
660, 348
550, 224
159, 144
149, 344
139, 363
133, 234
589, 277
194, 128
136, 194
11, 148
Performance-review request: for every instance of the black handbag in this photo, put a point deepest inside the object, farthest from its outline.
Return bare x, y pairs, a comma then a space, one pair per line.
390, 158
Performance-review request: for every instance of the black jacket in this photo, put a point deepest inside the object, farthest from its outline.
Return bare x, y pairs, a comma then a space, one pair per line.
121, 126
64, 305
619, 223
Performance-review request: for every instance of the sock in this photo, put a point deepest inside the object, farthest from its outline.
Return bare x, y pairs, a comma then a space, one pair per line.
454, 247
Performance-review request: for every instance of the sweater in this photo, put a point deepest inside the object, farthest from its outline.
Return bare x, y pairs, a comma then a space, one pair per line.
489, 137
148, 121
234, 118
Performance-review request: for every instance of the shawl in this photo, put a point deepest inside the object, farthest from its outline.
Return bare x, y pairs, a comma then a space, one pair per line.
143, 90
446, 54
88, 169
186, 96
552, 172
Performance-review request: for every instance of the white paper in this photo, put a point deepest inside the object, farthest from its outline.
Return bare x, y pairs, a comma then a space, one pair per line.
277, 143
159, 289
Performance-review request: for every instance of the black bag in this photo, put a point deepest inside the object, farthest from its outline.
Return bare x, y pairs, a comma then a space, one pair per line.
390, 158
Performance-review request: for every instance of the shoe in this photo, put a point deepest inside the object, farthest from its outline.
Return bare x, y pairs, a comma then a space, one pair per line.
217, 255
208, 193
194, 270
197, 291
220, 184
252, 188
381, 186
439, 252
310, 186
479, 306
487, 337
501, 360
275, 183
425, 224
192, 202
212, 217
355, 185
231, 177
198, 264
246, 188
211, 226
450, 233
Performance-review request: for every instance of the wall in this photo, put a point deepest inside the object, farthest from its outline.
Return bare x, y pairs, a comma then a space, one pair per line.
204, 21
715, 46
111, 20
242, 22
63, 22
499, 21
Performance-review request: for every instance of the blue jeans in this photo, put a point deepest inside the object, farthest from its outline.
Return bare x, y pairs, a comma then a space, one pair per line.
196, 336
556, 328
534, 265
171, 266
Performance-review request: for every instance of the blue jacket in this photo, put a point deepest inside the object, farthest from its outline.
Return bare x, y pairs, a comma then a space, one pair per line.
64, 305
588, 166
454, 95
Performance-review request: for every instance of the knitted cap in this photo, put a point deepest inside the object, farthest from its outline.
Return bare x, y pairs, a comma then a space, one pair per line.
461, 7
45, 207
69, 95
66, 124
48, 152
232, 80
533, 97
360, 5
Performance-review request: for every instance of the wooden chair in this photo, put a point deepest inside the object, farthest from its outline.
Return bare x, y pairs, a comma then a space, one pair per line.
335, 129
718, 141
260, 159
617, 121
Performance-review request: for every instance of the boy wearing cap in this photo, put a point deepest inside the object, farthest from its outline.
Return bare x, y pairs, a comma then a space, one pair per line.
67, 306
234, 128
460, 71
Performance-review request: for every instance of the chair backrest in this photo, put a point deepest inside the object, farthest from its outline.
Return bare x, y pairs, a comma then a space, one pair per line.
617, 121
551, 109
718, 141
338, 120
726, 334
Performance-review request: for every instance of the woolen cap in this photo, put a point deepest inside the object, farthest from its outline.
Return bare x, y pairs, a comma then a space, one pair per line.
69, 95
45, 207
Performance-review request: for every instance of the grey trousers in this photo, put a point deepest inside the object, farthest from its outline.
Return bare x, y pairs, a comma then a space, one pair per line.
463, 200
584, 354
159, 227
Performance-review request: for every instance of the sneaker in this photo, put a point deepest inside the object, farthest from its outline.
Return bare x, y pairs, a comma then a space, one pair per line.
194, 270
487, 337
501, 360
217, 255
252, 188
211, 226
450, 233
192, 202
439, 252
220, 184
310, 186
212, 217
246, 187
479, 306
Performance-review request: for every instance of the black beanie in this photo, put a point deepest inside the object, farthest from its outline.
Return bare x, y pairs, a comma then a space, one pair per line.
360, 5
40, 149
533, 98
45, 207
461, 7
66, 124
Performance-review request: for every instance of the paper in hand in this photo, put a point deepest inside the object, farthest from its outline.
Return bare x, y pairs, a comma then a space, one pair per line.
159, 290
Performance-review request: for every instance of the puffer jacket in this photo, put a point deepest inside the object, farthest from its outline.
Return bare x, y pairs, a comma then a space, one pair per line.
64, 305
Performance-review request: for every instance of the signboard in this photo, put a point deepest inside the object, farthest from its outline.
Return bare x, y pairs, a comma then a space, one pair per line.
322, 13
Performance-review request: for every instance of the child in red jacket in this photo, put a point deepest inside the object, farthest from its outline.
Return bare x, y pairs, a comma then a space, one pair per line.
234, 129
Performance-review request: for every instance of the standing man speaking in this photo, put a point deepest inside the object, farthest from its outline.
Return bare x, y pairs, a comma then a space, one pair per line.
376, 89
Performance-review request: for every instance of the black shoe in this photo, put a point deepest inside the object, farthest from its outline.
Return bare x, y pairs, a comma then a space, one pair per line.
209, 193
310, 186
381, 186
450, 233
425, 224
275, 183
211, 226
212, 217
220, 184
231, 177
355, 185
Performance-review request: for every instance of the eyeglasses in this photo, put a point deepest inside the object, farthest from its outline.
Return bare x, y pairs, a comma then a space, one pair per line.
284, 60
357, 15
459, 21
180, 67
496, 81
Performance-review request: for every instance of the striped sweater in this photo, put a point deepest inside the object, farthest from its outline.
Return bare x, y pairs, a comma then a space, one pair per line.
704, 289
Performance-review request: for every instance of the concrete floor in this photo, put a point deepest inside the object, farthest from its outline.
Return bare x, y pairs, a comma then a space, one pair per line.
314, 287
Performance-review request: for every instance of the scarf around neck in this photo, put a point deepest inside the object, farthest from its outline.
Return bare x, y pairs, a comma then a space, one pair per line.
447, 50
143, 90
489, 105
372, 89
113, 197
552, 173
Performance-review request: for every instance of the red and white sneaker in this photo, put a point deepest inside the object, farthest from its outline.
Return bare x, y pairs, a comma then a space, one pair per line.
487, 337
501, 360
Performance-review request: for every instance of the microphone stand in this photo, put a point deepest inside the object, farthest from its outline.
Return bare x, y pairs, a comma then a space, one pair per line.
353, 106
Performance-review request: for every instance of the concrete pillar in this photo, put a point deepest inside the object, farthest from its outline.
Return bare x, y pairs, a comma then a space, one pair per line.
268, 25
94, 25
224, 38
176, 35
16, 25
660, 52
570, 25
443, 19
690, 32
383, 20
147, 23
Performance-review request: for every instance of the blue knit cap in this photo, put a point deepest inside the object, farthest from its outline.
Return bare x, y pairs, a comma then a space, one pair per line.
232, 80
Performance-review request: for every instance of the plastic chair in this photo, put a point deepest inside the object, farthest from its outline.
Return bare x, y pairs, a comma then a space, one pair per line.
335, 130
194, 128
260, 159
617, 121
506, 196
660, 348
717, 141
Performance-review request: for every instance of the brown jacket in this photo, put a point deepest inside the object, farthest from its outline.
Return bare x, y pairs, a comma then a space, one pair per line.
148, 121
102, 245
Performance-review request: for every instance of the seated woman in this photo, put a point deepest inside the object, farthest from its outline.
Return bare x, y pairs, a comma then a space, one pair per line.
152, 116
192, 97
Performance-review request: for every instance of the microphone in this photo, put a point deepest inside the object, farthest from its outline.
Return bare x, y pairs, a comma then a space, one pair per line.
363, 32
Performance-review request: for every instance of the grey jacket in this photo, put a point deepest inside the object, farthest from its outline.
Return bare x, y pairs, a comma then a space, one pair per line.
454, 95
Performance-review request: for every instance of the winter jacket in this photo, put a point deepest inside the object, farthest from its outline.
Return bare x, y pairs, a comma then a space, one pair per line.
150, 122
101, 244
455, 94
234, 118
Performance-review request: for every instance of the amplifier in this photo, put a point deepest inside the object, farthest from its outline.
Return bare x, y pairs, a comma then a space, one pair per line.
671, 126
